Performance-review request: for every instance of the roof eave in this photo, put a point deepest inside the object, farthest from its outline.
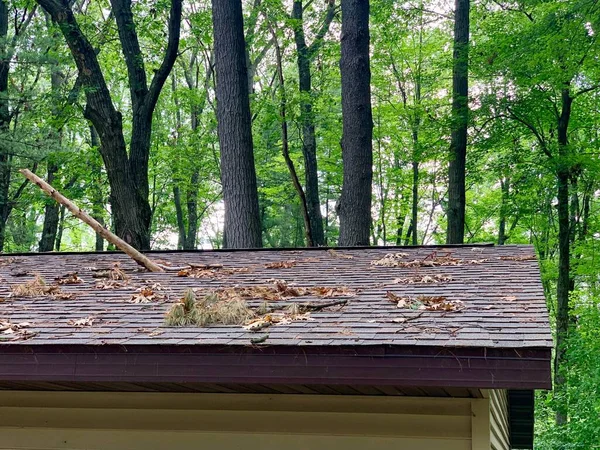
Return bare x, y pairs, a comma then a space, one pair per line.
482, 368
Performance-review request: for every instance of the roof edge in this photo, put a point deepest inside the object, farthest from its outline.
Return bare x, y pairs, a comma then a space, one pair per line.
482, 368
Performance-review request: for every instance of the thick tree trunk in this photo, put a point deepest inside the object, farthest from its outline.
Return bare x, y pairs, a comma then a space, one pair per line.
460, 120
354, 206
238, 176
97, 196
309, 143
564, 283
127, 173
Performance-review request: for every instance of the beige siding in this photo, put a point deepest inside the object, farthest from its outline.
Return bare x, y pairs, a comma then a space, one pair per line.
132, 421
499, 432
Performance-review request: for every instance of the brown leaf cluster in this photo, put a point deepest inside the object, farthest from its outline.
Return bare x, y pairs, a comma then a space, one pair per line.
146, 294
281, 264
424, 279
280, 318
83, 322
109, 284
390, 260
69, 278
425, 303
281, 290
213, 271
335, 254
15, 331
517, 258
115, 273
39, 288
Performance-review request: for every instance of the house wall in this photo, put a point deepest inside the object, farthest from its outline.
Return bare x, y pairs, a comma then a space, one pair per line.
499, 425
136, 421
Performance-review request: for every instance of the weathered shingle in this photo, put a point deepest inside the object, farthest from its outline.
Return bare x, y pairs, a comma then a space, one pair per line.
499, 287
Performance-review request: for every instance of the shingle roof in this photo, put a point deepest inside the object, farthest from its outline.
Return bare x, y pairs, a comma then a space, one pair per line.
503, 304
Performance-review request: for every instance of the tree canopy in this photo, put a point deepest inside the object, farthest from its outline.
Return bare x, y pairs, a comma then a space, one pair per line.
198, 124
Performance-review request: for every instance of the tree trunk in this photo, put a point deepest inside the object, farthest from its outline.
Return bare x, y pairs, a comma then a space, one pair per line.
504, 187
61, 229
97, 196
192, 210
564, 283
354, 206
460, 120
242, 227
127, 173
304, 55
285, 150
51, 216
5, 162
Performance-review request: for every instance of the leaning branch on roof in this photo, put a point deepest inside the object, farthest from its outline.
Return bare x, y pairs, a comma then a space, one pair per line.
98, 228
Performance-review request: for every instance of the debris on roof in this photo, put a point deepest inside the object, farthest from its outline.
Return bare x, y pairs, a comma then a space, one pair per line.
465, 296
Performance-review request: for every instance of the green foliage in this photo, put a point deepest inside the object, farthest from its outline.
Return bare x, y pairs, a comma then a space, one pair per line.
523, 55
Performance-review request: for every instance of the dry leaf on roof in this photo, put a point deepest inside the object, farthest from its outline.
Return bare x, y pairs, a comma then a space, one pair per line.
15, 331
329, 292
114, 273
210, 271
439, 303
38, 288
281, 264
13, 327
109, 284
277, 318
517, 258
156, 333
69, 278
83, 322
424, 279
510, 298
424, 302
145, 294
336, 254
281, 290
389, 260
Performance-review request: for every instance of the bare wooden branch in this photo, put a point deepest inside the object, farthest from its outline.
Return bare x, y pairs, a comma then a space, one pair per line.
96, 226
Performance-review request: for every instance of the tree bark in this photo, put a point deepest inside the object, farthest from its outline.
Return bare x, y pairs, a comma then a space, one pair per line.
305, 54
460, 120
504, 187
97, 196
238, 176
285, 149
354, 206
51, 216
127, 173
4, 122
564, 283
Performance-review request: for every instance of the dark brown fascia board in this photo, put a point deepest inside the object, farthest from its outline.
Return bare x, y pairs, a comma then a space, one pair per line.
341, 365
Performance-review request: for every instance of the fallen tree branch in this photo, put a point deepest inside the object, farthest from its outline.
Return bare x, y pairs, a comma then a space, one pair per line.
138, 257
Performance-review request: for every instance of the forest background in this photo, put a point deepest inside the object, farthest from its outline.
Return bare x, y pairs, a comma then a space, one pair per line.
115, 104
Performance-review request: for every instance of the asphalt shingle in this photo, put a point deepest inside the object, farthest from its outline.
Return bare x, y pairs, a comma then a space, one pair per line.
503, 302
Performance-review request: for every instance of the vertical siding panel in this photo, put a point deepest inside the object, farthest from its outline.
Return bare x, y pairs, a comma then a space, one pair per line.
499, 426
